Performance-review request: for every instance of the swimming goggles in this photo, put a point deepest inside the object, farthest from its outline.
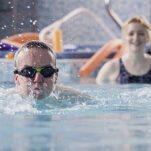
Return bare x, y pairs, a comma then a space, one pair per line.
30, 72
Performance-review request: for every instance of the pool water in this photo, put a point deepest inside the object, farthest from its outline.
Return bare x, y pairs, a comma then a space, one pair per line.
117, 118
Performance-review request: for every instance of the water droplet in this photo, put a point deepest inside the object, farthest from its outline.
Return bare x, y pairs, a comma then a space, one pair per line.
34, 22
38, 29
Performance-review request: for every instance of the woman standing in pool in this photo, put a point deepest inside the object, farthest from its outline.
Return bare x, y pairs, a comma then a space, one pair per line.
135, 64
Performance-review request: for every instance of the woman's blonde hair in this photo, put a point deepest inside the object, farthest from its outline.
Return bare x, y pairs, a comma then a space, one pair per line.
138, 19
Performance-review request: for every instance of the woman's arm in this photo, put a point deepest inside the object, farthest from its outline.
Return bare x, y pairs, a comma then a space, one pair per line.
109, 72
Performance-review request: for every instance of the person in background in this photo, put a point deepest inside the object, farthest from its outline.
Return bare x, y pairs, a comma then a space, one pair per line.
36, 72
135, 65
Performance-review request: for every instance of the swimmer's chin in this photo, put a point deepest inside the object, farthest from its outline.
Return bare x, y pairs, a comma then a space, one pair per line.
37, 95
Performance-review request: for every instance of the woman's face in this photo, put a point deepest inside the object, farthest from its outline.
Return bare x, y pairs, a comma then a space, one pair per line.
135, 37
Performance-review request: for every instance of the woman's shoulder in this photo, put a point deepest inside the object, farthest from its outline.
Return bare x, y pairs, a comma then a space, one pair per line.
113, 63
108, 72
148, 58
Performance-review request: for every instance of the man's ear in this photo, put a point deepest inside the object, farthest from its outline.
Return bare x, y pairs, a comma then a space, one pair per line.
55, 77
16, 79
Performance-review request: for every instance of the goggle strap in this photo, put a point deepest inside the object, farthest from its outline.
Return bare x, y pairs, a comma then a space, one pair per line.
56, 70
16, 72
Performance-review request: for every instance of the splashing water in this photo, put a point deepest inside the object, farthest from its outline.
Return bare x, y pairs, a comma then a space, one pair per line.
105, 98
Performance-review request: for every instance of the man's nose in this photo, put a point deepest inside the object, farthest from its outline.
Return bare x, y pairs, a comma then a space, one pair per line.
136, 36
38, 78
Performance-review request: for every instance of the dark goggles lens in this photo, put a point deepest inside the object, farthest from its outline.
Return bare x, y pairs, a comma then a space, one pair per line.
30, 72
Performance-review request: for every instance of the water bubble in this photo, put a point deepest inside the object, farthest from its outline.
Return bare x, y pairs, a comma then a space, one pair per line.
12, 7
21, 23
28, 7
34, 22
9, 2
38, 29
25, 49
30, 20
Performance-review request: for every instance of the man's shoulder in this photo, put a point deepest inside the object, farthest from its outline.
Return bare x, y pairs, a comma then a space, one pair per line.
11, 90
71, 92
66, 89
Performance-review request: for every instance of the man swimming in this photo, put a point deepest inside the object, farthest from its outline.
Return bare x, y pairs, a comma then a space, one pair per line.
36, 72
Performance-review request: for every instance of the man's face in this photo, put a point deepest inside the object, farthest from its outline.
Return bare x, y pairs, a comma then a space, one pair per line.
39, 86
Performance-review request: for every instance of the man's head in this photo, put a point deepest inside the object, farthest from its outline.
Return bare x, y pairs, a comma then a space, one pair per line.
35, 69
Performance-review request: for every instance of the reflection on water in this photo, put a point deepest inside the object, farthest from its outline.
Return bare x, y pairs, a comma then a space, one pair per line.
118, 118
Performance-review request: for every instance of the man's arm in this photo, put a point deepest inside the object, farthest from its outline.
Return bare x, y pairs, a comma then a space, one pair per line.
67, 92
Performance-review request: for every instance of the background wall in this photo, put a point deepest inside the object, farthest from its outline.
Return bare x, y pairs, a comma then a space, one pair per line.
19, 16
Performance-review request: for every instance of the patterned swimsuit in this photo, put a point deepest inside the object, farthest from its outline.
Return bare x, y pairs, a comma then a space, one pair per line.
125, 77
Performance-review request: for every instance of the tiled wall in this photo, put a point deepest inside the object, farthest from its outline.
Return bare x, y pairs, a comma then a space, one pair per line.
17, 16
33, 15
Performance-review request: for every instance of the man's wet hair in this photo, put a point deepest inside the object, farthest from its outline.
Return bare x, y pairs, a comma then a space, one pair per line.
35, 44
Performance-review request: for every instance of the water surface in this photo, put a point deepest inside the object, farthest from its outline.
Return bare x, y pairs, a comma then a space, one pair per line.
117, 118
